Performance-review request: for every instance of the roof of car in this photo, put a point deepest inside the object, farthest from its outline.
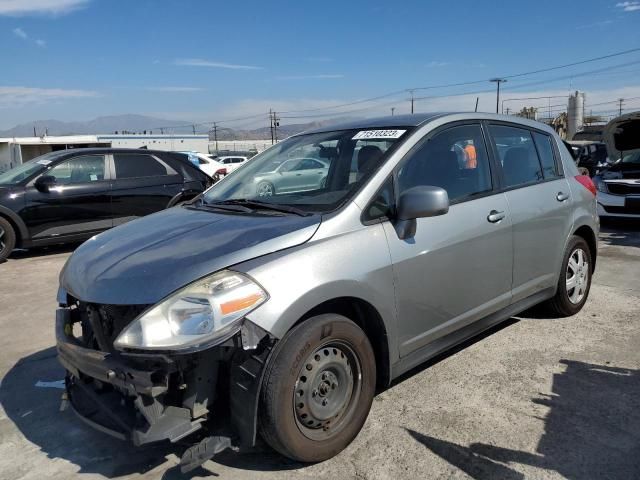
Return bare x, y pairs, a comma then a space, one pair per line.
89, 150
419, 119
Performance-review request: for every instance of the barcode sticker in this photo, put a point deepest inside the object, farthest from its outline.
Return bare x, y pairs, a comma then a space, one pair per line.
378, 134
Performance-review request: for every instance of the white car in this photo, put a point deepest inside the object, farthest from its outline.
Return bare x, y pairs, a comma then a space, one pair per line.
206, 163
231, 163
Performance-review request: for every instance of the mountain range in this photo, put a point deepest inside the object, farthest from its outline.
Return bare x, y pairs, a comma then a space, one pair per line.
132, 123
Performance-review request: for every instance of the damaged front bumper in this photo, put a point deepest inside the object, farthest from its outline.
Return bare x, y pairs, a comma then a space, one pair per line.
148, 398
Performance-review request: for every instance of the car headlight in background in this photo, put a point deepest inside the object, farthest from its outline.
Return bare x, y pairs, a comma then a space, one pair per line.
196, 316
600, 185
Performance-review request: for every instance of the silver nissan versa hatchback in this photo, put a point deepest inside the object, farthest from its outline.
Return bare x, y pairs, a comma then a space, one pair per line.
278, 312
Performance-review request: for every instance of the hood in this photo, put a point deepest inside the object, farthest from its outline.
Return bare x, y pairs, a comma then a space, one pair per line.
622, 134
143, 261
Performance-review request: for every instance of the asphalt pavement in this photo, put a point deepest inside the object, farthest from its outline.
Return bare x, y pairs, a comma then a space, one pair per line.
532, 398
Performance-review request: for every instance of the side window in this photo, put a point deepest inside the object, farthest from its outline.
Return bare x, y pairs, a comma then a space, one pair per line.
238, 160
455, 159
84, 169
134, 165
545, 152
518, 156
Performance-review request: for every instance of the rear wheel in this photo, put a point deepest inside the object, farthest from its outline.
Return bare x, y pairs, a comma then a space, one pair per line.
575, 279
318, 388
7, 239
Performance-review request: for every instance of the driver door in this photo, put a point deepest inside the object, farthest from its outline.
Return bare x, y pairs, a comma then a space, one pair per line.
457, 267
79, 203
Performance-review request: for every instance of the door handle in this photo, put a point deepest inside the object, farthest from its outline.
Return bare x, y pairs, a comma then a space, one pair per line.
561, 196
495, 216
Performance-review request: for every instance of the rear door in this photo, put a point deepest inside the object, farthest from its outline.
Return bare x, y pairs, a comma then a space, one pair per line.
143, 184
539, 201
457, 267
79, 204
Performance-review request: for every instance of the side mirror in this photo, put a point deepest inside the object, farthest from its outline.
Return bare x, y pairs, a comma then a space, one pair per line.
419, 202
45, 183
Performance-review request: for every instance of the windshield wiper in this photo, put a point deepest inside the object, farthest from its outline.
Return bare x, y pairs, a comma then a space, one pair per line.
200, 204
258, 205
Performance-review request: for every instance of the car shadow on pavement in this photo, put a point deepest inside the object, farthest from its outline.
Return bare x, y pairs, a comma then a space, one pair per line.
35, 412
43, 251
620, 232
592, 430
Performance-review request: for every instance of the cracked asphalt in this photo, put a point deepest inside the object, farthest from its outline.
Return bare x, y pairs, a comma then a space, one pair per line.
532, 398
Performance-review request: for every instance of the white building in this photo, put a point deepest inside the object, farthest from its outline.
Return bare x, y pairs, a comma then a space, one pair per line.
17, 150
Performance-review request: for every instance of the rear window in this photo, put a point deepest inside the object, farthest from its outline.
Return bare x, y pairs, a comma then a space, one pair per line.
133, 165
518, 155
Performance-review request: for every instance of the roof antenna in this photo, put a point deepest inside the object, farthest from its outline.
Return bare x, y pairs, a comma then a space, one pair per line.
477, 99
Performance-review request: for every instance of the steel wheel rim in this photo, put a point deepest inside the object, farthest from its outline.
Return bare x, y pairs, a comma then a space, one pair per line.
2, 244
577, 276
265, 189
327, 390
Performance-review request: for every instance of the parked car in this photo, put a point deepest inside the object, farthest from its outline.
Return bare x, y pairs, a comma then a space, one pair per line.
206, 163
240, 314
619, 183
592, 157
71, 195
231, 163
293, 175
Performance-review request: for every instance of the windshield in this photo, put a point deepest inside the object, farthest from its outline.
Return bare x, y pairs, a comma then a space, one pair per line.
314, 172
16, 175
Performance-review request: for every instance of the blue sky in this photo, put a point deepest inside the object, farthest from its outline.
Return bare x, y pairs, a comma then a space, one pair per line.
200, 60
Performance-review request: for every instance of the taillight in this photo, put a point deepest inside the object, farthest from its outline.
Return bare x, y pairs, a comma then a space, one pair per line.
587, 183
221, 171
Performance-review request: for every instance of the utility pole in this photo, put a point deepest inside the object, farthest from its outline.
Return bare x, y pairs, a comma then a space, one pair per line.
161, 131
477, 100
194, 129
215, 135
508, 109
276, 124
393, 109
271, 125
34, 131
620, 101
498, 81
412, 100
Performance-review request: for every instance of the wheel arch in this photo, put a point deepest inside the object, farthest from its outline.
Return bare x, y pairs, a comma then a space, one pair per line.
589, 236
20, 229
367, 317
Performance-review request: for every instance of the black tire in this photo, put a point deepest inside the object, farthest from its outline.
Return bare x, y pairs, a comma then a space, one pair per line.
562, 304
7, 239
310, 358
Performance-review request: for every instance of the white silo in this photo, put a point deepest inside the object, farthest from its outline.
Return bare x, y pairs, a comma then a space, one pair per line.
575, 114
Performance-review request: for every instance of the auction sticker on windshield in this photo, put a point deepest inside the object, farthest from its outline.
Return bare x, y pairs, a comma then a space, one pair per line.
371, 134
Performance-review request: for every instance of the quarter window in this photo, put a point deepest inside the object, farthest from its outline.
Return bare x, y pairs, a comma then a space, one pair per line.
545, 152
518, 156
84, 169
455, 159
134, 165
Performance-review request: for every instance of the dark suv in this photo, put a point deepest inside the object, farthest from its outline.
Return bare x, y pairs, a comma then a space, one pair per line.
71, 195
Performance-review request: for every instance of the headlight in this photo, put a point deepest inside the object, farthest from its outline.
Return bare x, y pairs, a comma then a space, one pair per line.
196, 316
600, 185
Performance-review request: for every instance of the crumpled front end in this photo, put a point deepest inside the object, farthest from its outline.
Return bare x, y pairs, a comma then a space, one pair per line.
148, 398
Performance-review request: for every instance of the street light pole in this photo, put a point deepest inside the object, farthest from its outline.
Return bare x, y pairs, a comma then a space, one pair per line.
498, 81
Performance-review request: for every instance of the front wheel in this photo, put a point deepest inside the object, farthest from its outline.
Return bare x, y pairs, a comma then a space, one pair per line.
265, 189
318, 388
575, 279
7, 239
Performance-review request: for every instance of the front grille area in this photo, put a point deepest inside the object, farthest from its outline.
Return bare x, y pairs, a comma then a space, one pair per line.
623, 189
101, 324
626, 210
